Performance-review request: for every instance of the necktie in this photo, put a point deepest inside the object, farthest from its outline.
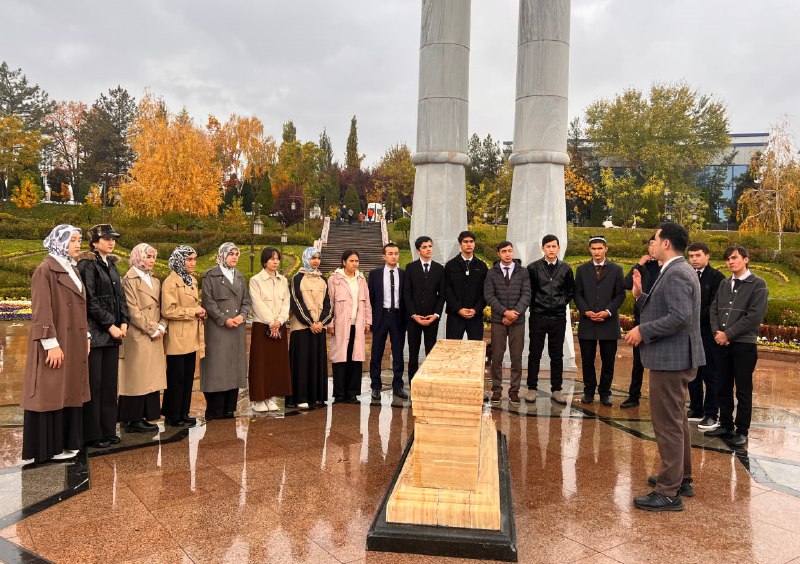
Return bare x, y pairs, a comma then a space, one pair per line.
466, 266
506, 276
391, 289
699, 274
736, 282
426, 268
598, 270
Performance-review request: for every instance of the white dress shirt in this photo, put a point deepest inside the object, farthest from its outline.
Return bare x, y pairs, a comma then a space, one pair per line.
387, 288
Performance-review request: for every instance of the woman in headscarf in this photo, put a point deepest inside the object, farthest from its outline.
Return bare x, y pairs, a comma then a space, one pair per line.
56, 379
311, 312
226, 299
107, 312
269, 375
352, 317
180, 306
142, 368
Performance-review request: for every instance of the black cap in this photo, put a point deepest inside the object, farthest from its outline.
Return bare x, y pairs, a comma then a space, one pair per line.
102, 231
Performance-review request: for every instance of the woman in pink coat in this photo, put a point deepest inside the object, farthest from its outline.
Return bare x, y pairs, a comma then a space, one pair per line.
352, 317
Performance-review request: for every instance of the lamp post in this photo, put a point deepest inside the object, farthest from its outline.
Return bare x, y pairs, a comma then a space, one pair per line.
256, 228
284, 238
666, 205
45, 188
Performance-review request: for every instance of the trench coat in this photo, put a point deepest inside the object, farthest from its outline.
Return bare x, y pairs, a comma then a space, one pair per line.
59, 311
142, 365
342, 303
178, 304
225, 364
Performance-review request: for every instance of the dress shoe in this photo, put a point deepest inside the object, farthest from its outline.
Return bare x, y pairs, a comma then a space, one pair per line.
339, 400
398, 394
630, 402
558, 397
738, 440
189, 420
151, 426
686, 489
228, 415
722, 432
176, 422
102, 443
496, 397
513, 398
113, 439
708, 424
140, 427
693, 415
606, 400
375, 396
587, 398
353, 400
654, 501
65, 455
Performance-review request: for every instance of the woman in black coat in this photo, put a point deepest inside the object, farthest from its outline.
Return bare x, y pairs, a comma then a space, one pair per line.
107, 312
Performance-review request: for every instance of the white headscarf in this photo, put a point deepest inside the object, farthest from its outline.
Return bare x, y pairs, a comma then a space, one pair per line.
57, 243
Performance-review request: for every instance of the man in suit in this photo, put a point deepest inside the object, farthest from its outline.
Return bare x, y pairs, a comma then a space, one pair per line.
385, 285
464, 275
669, 335
424, 298
649, 268
705, 409
599, 293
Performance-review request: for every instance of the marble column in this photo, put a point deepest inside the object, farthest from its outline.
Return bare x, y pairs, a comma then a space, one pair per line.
537, 203
440, 205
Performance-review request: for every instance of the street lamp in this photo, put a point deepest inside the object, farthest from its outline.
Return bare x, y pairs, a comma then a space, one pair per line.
43, 170
284, 238
257, 228
666, 205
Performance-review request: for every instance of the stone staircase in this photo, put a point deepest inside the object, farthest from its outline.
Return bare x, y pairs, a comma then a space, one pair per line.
367, 242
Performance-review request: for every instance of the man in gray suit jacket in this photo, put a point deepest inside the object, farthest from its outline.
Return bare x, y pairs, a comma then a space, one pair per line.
672, 348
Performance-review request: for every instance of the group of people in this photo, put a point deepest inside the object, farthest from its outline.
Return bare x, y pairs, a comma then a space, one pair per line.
104, 346
364, 219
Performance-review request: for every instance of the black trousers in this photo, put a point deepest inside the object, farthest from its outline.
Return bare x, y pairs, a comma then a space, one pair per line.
553, 328
100, 412
456, 326
705, 375
221, 404
390, 326
415, 335
608, 352
136, 408
347, 375
180, 379
735, 364
637, 375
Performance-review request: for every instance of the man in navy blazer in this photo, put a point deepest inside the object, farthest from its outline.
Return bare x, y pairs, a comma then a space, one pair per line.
672, 348
385, 285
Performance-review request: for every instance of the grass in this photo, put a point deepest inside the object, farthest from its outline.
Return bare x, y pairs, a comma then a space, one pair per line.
14, 246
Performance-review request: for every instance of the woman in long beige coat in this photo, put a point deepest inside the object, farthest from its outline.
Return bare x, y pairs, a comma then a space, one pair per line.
142, 367
184, 342
352, 317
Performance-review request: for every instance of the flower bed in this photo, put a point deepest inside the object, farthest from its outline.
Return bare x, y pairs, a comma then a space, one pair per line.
15, 310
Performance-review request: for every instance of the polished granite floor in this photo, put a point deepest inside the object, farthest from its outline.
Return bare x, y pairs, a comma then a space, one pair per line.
305, 486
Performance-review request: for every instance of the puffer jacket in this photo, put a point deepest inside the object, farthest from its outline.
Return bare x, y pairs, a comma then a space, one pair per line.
515, 295
105, 297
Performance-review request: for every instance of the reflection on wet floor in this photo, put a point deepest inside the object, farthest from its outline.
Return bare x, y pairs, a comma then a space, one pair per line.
305, 486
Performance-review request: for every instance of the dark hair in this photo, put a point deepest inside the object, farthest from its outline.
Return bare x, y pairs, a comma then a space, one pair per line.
422, 239
504, 244
549, 239
744, 253
389, 244
348, 253
699, 246
651, 239
267, 254
676, 234
465, 235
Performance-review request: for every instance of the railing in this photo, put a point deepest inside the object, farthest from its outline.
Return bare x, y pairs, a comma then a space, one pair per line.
384, 232
323, 238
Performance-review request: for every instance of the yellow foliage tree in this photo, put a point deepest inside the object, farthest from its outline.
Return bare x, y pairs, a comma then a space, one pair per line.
241, 148
176, 169
26, 195
94, 196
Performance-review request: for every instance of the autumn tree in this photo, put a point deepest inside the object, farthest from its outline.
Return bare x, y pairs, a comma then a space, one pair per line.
488, 201
774, 204
352, 158
19, 150
393, 180
26, 195
176, 169
64, 125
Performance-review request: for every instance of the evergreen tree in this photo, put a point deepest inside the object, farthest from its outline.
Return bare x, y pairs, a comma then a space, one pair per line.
326, 151
352, 158
21, 99
289, 132
351, 200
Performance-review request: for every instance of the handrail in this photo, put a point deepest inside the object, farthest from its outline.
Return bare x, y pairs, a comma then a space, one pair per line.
326, 227
384, 232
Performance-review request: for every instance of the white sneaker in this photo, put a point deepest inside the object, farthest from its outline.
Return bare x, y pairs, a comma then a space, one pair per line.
708, 424
260, 406
272, 405
66, 455
302, 405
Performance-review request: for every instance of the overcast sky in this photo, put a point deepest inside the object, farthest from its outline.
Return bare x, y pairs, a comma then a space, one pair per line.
318, 62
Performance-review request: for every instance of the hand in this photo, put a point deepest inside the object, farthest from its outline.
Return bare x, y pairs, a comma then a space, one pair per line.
124, 329
507, 321
115, 332
511, 315
230, 323
590, 314
157, 336
644, 260
634, 337
637, 284
421, 319
316, 327
54, 357
330, 330
466, 313
200, 313
721, 338
275, 325
367, 329
275, 334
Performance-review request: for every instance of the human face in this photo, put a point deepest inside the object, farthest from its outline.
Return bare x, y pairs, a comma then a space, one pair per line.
149, 261
314, 262
698, 259
105, 246
598, 251
506, 254
232, 259
74, 248
426, 251
351, 265
737, 264
274, 263
467, 246
191, 262
550, 250
651, 248
391, 256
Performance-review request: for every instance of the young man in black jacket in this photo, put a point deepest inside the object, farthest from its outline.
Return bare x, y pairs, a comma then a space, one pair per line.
464, 275
552, 288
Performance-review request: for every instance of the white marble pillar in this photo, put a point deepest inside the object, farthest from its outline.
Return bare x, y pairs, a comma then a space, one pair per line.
537, 204
440, 200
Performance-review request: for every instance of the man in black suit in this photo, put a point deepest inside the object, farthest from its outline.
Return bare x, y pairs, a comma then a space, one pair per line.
599, 293
385, 286
424, 298
705, 409
464, 275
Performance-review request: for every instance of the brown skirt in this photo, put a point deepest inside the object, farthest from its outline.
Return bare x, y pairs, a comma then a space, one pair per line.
269, 373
